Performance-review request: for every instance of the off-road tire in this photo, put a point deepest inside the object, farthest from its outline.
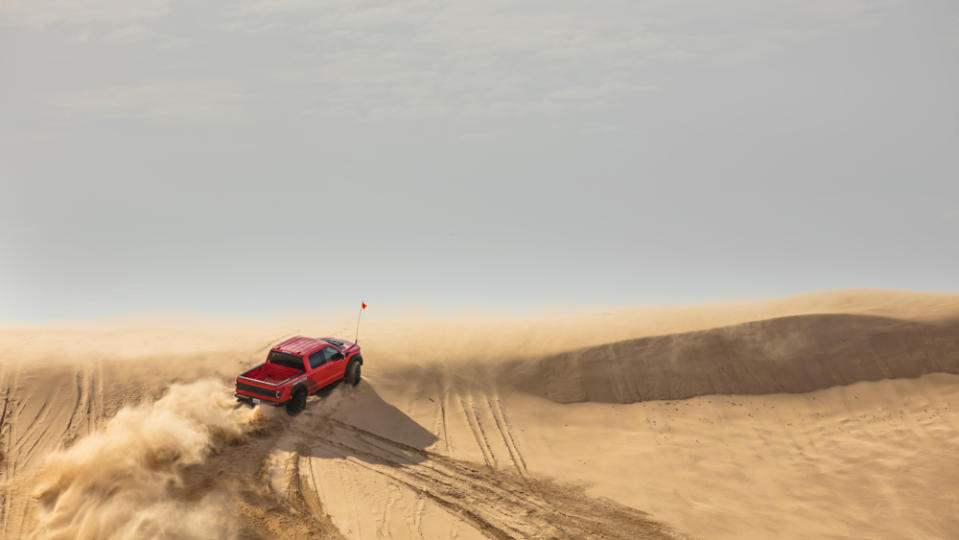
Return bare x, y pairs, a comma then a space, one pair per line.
297, 403
354, 372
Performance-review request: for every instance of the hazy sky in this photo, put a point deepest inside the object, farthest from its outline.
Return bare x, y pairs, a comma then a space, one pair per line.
260, 156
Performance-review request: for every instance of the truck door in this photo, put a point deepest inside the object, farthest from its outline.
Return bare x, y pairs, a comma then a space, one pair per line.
337, 365
322, 370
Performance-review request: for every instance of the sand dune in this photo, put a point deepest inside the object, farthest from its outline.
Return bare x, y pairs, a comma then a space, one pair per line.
794, 354
821, 415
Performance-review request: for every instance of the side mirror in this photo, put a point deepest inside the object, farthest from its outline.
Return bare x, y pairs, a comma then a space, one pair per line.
337, 356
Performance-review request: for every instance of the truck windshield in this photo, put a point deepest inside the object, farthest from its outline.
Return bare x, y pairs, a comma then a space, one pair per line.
285, 359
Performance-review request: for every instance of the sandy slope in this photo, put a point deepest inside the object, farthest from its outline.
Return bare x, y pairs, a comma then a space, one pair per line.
822, 415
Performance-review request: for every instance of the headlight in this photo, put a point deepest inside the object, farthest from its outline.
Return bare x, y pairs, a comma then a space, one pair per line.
278, 392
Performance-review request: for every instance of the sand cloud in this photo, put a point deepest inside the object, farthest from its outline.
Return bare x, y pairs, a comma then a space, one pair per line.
123, 481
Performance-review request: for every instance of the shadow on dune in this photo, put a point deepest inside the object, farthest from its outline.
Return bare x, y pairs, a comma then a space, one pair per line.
789, 354
359, 423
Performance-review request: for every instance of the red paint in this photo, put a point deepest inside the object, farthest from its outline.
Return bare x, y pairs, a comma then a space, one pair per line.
275, 383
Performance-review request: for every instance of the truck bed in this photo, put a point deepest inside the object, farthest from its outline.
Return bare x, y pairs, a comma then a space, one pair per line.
271, 373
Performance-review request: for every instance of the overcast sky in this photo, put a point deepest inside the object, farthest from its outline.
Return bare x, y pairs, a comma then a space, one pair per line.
270, 155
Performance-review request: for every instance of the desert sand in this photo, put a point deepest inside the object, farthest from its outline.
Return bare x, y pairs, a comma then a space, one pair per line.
825, 415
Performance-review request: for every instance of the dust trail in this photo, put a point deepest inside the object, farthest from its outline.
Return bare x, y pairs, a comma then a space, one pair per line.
124, 481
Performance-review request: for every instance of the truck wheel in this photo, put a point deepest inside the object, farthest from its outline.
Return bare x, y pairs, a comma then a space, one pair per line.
354, 373
297, 403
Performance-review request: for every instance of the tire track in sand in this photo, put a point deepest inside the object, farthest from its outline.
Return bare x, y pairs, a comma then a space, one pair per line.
469, 410
72, 430
496, 409
11, 412
95, 405
418, 517
6, 459
446, 432
41, 424
497, 503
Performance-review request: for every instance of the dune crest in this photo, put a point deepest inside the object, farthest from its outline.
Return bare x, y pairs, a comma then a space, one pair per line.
794, 354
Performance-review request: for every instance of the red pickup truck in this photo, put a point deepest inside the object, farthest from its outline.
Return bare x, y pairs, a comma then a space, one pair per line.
298, 367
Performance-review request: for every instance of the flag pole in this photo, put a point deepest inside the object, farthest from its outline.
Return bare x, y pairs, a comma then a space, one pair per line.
358, 317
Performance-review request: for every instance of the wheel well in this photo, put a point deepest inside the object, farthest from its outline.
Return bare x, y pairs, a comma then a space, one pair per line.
297, 388
358, 358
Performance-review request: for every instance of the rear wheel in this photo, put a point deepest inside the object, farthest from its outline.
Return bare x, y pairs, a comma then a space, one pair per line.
297, 403
354, 372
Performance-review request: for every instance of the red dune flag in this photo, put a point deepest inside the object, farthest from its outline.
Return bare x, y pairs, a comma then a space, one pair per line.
364, 305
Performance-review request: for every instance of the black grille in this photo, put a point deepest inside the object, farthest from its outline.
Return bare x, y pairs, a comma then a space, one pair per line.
265, 392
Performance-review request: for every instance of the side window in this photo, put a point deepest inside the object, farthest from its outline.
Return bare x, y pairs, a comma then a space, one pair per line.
321, 357
317, 359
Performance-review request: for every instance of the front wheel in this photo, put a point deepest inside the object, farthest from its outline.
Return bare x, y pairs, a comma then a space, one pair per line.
354, 372
297, 403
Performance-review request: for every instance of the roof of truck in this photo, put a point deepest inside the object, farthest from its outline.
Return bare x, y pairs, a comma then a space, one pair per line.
301, 345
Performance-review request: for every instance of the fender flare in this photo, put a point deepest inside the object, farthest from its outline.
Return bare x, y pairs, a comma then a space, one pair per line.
297, 387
